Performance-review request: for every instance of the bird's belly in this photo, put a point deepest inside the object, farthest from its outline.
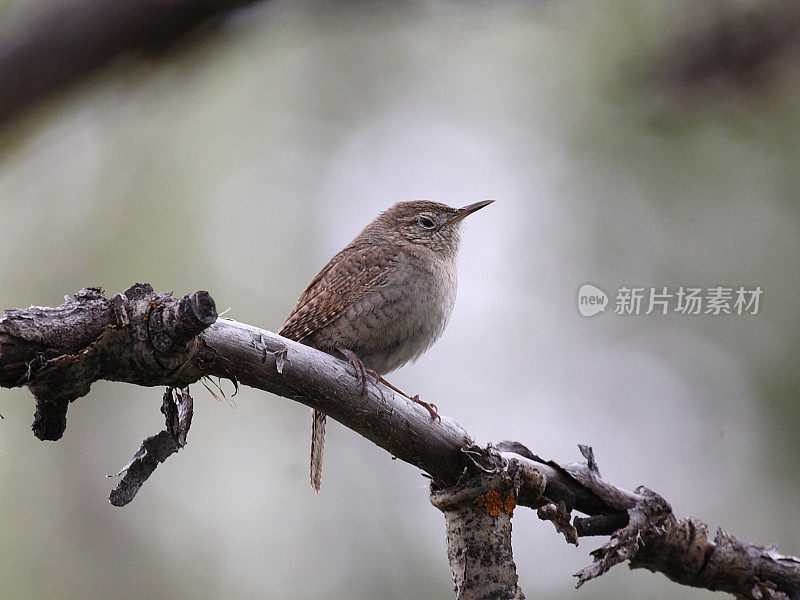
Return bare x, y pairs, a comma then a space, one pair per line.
395, 324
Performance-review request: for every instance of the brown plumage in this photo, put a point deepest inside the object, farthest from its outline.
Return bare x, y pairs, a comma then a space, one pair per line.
385, 298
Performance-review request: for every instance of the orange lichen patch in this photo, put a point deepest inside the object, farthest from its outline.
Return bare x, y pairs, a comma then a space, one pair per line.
509, 504
490, 502
493, 503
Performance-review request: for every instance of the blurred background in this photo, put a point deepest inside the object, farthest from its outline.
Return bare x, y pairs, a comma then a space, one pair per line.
637, 143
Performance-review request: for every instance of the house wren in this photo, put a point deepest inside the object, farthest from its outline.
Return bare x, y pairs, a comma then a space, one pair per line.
384, 299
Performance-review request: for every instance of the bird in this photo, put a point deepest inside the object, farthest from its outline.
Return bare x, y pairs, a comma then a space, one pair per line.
383, 299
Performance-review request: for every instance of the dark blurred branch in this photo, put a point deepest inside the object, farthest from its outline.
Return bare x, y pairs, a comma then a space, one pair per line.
68, 39
734, 43
154, 339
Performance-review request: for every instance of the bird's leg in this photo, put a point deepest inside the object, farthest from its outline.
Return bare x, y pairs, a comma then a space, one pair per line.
430, 406
361, 370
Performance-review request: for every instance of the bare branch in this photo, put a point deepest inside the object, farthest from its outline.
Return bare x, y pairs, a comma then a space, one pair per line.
154, 339
654, 539
736, 43
403, 428
178, 410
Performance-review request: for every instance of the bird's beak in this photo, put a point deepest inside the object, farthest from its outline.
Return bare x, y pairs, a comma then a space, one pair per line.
465, 211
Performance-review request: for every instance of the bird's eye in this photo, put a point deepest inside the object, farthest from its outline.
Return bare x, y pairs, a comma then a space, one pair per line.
426, 221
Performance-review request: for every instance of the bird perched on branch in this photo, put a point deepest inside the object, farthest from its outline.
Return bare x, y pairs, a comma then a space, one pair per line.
384, 299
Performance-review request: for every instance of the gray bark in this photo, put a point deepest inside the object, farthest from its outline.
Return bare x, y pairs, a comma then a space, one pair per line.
478, 525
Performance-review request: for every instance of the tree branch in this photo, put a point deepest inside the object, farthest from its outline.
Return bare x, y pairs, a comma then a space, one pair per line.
69, 39
154, 339
267, 361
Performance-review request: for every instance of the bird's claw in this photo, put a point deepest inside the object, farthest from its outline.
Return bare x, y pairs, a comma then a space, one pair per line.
430, 406
377, 378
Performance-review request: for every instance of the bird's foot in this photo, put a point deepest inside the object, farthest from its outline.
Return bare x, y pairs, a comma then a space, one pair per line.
362, 372
377, 378
428, 405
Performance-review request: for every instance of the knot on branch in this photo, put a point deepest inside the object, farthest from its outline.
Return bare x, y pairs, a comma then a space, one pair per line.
173, 326
139, 336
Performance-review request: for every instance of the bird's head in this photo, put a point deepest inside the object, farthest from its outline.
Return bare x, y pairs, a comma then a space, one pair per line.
430, 224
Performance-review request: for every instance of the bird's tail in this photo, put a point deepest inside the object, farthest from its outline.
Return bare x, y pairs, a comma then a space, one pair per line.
317, 446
